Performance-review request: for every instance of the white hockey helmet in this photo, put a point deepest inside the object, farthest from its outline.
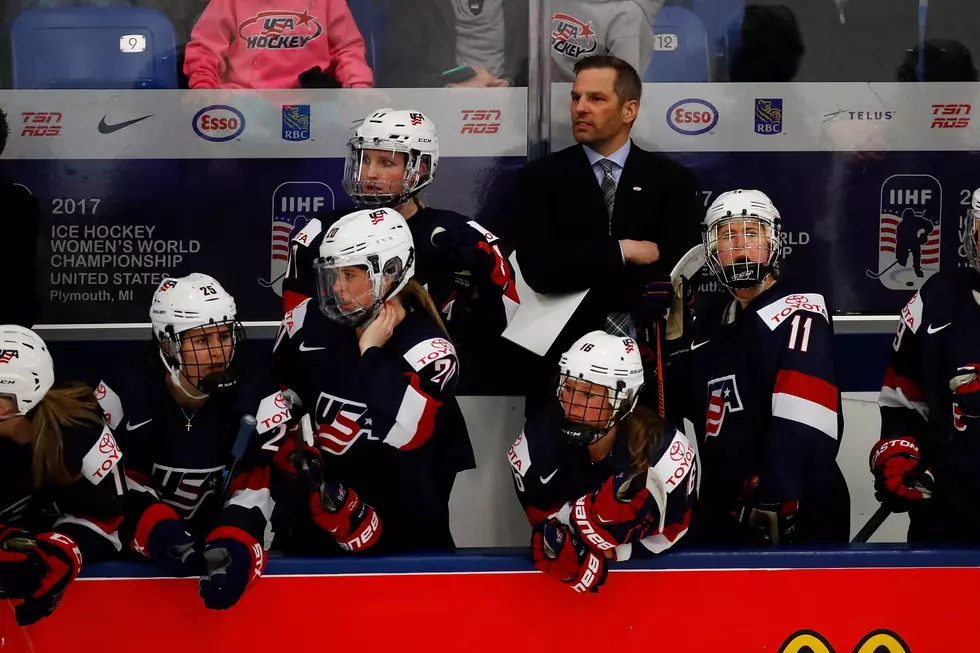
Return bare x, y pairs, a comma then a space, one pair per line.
181, 304
741, 211
406, 131
378, 241
600, 359
972, 232
26, 368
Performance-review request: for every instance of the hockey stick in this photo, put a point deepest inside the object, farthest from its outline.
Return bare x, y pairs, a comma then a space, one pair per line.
874, 523
245, 430
689, 264
872, 275
660, 371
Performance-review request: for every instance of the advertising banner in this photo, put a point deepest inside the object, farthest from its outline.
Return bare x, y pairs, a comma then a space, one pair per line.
707, 610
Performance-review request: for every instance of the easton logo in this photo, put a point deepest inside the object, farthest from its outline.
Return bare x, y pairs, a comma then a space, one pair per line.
722, 398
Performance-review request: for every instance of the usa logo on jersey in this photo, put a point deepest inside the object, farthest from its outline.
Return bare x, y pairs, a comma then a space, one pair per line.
722, 398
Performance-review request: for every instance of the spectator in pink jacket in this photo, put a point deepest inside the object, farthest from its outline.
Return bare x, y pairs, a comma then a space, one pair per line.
260, 44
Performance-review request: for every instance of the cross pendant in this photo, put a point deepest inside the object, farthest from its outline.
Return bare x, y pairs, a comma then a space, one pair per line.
188, 427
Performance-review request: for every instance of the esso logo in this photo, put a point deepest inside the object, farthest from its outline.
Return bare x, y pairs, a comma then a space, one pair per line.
692, 117
219, 123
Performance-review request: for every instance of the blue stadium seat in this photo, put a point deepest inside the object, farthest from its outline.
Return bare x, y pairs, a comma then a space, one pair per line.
689, 62
370, 17
79, 48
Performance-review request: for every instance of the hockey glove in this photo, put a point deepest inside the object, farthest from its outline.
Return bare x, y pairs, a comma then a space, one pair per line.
20, 569
965, 387
471, 259
558, 552
233, 560
653, 304
161, 535
898, 479
620, 511
763, 523
60, 563
339, 511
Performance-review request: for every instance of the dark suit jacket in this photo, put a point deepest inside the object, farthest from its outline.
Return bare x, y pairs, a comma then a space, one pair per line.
563, 232
20, 213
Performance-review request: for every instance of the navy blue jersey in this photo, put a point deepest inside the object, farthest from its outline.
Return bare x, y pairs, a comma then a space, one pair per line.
180, 457
88, 510
550, 474
387, 422
937, 336
486, 308
764, 401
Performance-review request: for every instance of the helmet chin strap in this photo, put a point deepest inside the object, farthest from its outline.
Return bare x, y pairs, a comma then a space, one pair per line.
175, 376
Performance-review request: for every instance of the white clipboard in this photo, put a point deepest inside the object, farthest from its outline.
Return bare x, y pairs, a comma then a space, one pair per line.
540, 318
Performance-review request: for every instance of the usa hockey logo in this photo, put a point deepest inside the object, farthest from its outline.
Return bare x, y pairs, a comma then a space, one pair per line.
293, 204
769, 116
571, 37
340, 423
909, 231
7, 354
296, 122
722, 399
416, 119
279, 30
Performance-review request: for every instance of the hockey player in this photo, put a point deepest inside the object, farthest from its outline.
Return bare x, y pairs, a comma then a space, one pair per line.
597, 473
391, 156
61, 488
930, 405
764, 399
372, 365
192, 508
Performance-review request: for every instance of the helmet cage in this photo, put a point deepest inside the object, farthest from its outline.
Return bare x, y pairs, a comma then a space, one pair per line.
170, 343
744, 270
389, 194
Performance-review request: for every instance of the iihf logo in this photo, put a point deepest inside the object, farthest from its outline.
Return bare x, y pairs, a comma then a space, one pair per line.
293, 204
909, 231
722, 397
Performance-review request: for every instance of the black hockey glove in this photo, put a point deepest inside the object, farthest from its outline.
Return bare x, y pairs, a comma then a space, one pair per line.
234, 560
764, 523
161, 535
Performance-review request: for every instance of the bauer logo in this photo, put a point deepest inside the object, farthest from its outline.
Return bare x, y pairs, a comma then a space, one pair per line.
293, 204
909, 230
692, 117
769, 116
219, 123
296, 122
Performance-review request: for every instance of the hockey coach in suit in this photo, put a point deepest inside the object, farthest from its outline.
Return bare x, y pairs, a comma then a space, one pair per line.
603, 214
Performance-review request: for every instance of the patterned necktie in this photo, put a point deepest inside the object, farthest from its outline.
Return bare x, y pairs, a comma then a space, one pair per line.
608, 189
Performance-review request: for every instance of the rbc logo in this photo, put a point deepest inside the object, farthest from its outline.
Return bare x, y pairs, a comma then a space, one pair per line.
769, 116
296, 122
722, 398
908, 231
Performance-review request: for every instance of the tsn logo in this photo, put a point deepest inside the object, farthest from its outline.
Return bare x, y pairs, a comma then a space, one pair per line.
951, 116
481, 121
38, 123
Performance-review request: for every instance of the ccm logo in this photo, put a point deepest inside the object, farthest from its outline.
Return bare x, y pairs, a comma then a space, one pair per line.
585, 528
590, 575
361, 542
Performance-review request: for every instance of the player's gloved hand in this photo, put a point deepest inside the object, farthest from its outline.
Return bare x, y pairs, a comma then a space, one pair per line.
898, 479
652, 305
161, 535
302, 462
470, 257
60, 563
620, 511
20, 569
233, 560
965, 387
558, 552
765, 522
339, 511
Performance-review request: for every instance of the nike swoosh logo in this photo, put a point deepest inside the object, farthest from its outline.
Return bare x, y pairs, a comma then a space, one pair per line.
132, 427
931, 330
303, 347
545, 479
700, 344
105, 128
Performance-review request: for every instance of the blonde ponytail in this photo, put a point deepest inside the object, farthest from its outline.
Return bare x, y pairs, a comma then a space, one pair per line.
70, 405
644, 430
414, 295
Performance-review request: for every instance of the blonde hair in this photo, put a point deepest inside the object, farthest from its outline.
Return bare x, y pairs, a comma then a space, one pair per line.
69, 405
414, 295
644, 430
